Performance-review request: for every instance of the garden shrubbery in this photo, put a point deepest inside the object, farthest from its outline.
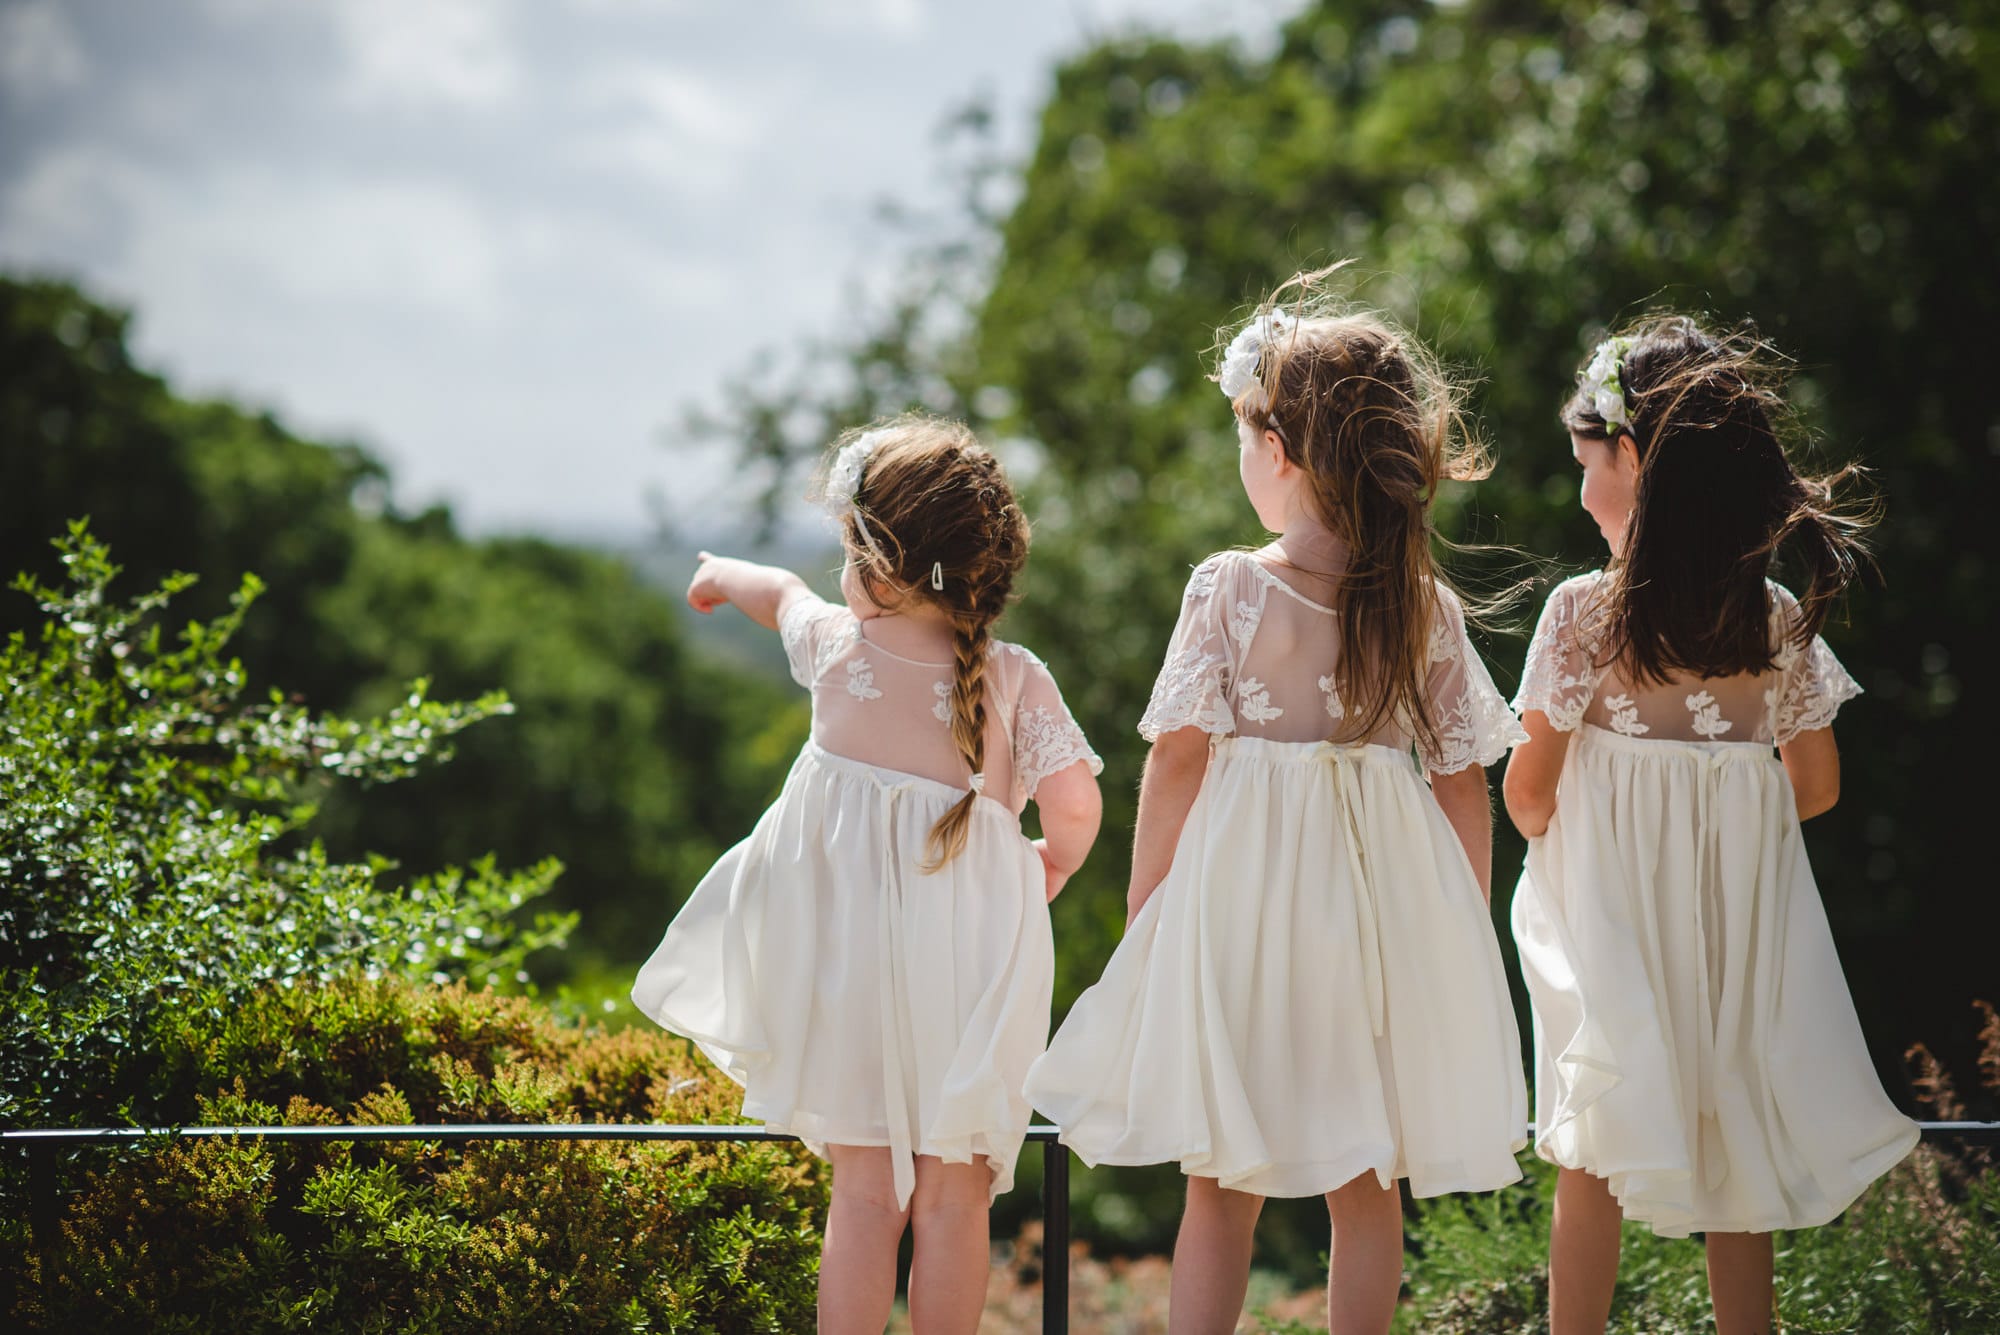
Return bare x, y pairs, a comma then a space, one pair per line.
174, 949
398, 1236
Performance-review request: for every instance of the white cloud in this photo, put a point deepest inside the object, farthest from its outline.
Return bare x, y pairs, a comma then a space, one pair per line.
890, 18
672, 127
39, 54
454, 52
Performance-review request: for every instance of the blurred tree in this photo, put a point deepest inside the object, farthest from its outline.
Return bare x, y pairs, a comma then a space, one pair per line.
629, 759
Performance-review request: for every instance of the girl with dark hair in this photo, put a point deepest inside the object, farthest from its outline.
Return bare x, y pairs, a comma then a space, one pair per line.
873, 964
1309, 999
1699, 1066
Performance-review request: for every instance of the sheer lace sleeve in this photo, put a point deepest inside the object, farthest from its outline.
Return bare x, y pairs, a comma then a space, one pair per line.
1474, 724
1046, 735
1812, 685
1193, 686
813, 630
1560, 678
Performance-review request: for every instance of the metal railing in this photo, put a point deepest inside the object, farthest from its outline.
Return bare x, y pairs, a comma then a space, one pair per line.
45, 1204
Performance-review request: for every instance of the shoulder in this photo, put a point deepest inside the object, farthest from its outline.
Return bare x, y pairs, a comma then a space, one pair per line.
1783, 600
1578, 587
1016, 655
810, 613
1222, 570
1784, 622
1017, 666
1578, 600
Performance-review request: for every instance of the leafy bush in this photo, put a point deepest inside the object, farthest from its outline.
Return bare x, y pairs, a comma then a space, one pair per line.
150, 848
490, 1236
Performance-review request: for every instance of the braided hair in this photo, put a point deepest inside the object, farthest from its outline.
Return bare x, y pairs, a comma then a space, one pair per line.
947, 530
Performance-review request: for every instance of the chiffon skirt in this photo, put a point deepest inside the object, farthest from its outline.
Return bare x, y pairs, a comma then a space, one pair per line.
857, 999
1695, 1042
1314, 991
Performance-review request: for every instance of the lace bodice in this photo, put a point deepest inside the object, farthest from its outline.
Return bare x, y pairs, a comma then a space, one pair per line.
1564, 679
1254, 656
883, 709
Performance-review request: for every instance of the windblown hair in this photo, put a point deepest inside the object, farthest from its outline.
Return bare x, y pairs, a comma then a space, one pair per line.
1717, 498
1374, 423
933, 497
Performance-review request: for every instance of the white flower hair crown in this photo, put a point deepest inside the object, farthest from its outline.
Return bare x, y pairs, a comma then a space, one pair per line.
1245, 353
843, 481
1603, 387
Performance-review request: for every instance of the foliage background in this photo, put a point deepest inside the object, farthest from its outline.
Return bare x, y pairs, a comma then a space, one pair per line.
1512, 178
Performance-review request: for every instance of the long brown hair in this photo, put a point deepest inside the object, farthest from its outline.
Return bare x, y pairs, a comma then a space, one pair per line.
1717, 497
936, 502
1374, 424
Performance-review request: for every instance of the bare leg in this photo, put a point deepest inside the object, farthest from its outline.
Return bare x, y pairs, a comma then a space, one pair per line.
857, 1264
1739, 1282
952, 1260
1211, 1270
1583, 1254
1365, 1261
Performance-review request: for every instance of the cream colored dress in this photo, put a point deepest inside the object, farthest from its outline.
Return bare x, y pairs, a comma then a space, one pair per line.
858, 999
1314, 990
1695, 1042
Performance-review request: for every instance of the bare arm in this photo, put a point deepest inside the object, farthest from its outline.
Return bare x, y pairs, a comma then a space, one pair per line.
1813, 763
1529, 786
1469, 807
763, 592
1174, 770
1071, 808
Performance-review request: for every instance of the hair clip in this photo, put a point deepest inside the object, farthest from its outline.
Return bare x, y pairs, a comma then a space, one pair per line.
937, 575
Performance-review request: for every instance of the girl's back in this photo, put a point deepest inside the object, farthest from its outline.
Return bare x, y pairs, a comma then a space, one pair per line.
1572, 676
1257, 653
893, 711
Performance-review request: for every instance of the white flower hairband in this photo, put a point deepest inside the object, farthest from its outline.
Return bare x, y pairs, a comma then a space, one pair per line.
1603, 386
843, 481
1241, 359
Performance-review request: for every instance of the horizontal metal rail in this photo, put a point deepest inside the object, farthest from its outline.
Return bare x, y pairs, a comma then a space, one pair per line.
45, 1205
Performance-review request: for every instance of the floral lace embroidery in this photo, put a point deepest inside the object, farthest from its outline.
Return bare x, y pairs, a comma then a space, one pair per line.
1560, 676
1045, 742
1253, 701
1243, 625
1475, 731
1708, 720
861, 680
1441, 639
1202, 583
1334, 709
1811, 692
1190, 692
941, 707
1625, 715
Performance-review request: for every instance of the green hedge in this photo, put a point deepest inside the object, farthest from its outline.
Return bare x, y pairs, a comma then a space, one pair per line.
489, 1237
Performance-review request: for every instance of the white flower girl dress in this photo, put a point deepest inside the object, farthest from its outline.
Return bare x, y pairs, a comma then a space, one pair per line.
1695, 1042
858, 999
1314, 990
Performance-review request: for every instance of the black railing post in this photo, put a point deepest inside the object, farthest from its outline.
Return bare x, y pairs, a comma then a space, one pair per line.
45, 1211
1055, 1238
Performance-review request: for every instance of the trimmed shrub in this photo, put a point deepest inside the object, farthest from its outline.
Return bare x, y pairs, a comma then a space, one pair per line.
498, 1236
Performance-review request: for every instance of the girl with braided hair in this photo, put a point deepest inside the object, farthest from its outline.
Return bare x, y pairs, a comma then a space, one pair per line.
1309, 999
873, 964
1699, 1066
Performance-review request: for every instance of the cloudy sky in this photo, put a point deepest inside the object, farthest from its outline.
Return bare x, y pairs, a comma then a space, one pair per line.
503, 243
